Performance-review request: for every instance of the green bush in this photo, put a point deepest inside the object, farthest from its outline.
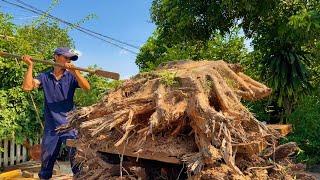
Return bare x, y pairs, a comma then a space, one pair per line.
258, 109
306, 128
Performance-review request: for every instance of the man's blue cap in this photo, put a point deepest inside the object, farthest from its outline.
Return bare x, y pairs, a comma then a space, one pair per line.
67, 52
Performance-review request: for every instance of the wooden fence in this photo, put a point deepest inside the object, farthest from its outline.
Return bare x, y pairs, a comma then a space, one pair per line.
12, 153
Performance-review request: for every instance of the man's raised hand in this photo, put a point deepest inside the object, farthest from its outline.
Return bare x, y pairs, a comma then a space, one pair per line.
27, 59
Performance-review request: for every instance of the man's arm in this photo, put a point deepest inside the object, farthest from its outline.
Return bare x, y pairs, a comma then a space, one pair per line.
83, 83
28, 82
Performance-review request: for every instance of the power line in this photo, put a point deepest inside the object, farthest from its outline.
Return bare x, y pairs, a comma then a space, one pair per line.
70, 24
24, 17
122, 42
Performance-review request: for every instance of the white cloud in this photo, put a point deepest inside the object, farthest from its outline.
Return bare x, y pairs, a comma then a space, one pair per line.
123, 52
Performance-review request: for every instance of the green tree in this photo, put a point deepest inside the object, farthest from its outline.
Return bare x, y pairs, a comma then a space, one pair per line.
285, 44
229, 47
198, 20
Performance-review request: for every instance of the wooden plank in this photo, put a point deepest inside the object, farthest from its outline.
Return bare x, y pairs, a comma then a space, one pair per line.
27, 174
129, 151
18, 153
12, 151
23, 166
145, 154
283, 129
30, 166
5, 153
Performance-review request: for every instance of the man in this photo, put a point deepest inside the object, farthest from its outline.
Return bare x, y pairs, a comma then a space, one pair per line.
58, 85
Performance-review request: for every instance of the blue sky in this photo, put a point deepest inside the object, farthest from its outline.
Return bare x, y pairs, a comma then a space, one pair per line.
125, 20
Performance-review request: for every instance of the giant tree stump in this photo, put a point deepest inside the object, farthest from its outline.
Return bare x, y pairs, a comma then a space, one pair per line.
190, 110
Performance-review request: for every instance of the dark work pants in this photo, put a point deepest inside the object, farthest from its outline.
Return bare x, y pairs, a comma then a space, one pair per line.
48, 159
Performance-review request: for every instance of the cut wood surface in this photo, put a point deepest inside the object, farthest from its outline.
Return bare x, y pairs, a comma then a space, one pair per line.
188, 110
283, 129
